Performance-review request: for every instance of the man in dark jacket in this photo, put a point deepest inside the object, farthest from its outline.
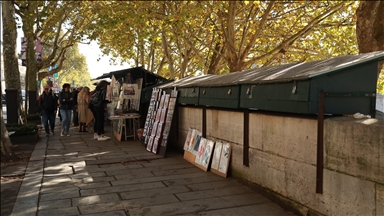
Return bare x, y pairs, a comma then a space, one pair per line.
48, 104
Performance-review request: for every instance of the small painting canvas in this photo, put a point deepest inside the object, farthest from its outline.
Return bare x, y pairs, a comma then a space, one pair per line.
159, 129
155, 145
130, 91
196, 144
150, 143
188, 139
224, 158
216, 155
201, 149
207, 153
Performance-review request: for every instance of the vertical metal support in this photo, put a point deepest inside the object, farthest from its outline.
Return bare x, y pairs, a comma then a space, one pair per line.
246, 139
373, 107
320, 145
11, 98
204, 121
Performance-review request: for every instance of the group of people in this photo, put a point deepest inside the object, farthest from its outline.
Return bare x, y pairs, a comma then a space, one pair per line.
77, 102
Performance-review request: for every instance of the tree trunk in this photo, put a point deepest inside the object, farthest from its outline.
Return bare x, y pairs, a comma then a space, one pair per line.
216, 58
6, 152
11, 66
370, 27
168, 55
184, 64
28, 23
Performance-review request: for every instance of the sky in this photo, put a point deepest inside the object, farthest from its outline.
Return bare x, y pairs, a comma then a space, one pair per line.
97, 68
92, 53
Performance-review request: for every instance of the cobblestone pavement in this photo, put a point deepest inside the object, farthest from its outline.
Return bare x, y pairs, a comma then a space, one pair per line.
77, 175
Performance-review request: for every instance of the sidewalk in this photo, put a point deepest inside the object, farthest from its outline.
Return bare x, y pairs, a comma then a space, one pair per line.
77, 175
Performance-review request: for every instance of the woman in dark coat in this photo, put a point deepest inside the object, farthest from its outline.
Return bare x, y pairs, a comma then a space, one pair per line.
66, 106
98, 110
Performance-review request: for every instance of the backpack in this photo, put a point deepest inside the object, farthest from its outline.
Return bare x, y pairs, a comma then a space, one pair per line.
94, 100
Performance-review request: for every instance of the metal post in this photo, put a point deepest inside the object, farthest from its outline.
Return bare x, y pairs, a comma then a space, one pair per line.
320, 144
246, 139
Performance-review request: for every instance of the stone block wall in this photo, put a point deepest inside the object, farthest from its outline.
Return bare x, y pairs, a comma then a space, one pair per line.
282, 157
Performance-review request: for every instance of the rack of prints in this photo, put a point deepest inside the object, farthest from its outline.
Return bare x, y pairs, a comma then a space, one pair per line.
157, 126
151, 114
168, 121
163, 120
199, 151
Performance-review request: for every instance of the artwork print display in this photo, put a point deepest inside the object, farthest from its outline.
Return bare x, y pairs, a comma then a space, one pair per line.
224, 158
200, 151
155, 145
196, 145
130, 91
150, 142
206, 158
216, 155
188, 140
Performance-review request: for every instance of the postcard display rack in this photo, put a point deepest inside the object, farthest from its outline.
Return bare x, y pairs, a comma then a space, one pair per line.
201, 151
159, 120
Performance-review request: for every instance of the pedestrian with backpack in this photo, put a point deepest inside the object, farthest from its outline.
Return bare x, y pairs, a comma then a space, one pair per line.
66, 106
98, 105
48, 106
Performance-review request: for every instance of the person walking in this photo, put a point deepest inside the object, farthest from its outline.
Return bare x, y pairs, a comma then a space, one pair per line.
66, 106
82, 108
48, 105
75, 93
98, 105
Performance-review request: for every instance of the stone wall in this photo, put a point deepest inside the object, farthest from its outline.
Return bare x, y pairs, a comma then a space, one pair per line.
282, 157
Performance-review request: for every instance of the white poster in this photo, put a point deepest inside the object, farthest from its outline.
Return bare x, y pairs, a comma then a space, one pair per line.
130, 91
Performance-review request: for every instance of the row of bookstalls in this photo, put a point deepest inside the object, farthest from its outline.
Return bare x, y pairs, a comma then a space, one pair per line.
337, 86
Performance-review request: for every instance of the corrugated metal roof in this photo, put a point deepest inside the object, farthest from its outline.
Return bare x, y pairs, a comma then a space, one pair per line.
282, 73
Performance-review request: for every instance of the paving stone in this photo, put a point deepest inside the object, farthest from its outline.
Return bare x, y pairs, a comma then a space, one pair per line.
93, 185
59, 211
181, 207
157, 178
134, 165
38, 154
246, 199
110, 213
192, 195
148, 157
59, 189
60, 182
153, 192
121, 188
260, 209
63, 203
149, 201
89, 200
132, 175
193, 180
113, 165
110, 161
58, 170
57, 196
165, 161
98, 179
213, 185
176, 171
101, 207
35, 167
86, 174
